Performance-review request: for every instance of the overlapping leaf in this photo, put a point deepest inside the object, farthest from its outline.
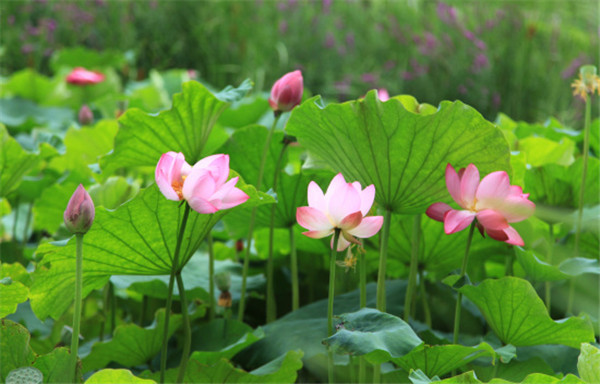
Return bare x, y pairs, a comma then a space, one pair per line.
110, 376
15, 162
186, 127
518, 316
139, 238
402, 153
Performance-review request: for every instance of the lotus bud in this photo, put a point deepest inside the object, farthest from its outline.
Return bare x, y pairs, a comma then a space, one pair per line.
80, 212
287, 92
86, 116
223, 281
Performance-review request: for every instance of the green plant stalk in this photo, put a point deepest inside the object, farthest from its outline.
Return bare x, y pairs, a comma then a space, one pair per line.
351, 367
294, 271
377, 374
586, 153
463, 271
271, 304
362, 282
77, 309
113, 307
332, 265
16, 219
426, 308
187, 330
104, 310
414, 263
211, 276
508, 264
174, 270
27, 221
143, 309
385, 234
548, 284
261, 171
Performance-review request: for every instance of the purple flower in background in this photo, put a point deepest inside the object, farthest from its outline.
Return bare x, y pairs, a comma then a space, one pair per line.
50, 25
329, 40
283, 27
389, 65
418, 69
480, 62
281, 6
10, 19
446, 13
573, 67
26, 49
428, 44
350, 40
480, 45
496, 100
469, 35
32, 31
462, 89
326, 6
369, 78
406, 75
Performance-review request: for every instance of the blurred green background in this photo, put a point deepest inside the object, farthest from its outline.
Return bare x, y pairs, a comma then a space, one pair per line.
518, 57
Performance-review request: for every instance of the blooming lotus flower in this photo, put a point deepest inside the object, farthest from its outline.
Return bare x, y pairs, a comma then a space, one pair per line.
343, 207
493, 202
81, 76
204, 186
287, 92
80, 212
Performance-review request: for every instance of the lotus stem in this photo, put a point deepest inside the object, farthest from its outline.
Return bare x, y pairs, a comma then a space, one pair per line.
385, 234
187, 330
174, 271
294, 271
332, 266
261, 171
414, 263
463, 271
77, 309
271, 303
211, 276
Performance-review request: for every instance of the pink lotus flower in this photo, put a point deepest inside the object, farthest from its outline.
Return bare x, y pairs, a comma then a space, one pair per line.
80, 211
383, 94
81, 76
287, 92
204, 186
343, 207
493, 202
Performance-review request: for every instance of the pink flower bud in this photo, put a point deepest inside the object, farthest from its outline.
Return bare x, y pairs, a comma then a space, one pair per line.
80, 212
86, 116
81, 76
287, 92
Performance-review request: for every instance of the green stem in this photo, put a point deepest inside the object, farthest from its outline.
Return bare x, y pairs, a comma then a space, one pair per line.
351, 366
426, 308
271, 304
548, 285
385, 234
463, 271
27, 221
261, 171
508, 264
143, 310
77, 309
211, 276
113, 308
377, 374
362, 282
586, 151
187, 329
104, 310
362, 369
414, 263
174, 270
294, 271
332, 265
16, 219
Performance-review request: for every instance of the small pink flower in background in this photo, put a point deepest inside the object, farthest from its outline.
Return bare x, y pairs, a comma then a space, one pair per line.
343, 207
383, 94
86, 116
493, 202
80, 211
287, 92
81, 76
204, 186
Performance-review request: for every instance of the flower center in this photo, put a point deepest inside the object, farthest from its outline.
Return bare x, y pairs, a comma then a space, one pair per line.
177, 186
